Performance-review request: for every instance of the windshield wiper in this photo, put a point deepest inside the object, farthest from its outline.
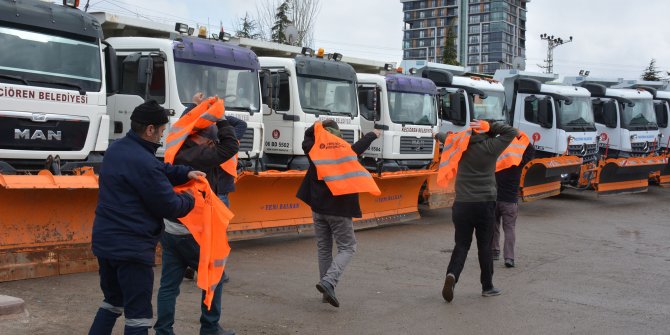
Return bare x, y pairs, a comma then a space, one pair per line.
17, 78
322, 110
238, 108
79, 88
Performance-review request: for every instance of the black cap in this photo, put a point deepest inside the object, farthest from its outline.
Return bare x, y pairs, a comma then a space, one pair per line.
150, 112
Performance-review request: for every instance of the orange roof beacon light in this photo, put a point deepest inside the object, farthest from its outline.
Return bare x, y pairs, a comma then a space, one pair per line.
202, 32
399, 69
320, 53
71, 3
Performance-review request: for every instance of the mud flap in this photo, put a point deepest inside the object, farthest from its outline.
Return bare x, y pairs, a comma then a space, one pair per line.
627, 175
541, 177
46, 224
436, 196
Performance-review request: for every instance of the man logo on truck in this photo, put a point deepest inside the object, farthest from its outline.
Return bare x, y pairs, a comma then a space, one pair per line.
37, 135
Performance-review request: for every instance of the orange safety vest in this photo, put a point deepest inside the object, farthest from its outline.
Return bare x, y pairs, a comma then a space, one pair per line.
513, 153
208, 222
454, 146
197, 119
337, 164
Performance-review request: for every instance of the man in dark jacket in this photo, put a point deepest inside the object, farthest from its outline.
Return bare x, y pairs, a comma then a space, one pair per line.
136, 193
475, 203
507, 207
205, 151
332, 215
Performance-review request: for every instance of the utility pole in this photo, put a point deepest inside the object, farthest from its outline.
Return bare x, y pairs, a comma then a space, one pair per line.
552, 43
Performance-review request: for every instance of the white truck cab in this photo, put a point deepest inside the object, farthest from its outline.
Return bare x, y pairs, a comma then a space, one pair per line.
303, 90
172, 69
54, 78
405, 107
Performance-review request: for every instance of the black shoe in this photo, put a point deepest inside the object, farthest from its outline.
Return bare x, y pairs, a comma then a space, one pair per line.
189, 274
448, 289
324, 299
509, 263
491, 292
225, 278
328, 292
496, 255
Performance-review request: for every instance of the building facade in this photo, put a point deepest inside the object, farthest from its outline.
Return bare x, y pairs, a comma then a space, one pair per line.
490, 33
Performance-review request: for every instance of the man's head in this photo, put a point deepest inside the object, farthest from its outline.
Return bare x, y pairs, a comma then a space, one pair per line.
148, 121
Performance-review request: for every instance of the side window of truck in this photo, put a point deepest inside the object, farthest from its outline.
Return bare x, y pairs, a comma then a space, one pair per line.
129, 80
531, 109
281, 97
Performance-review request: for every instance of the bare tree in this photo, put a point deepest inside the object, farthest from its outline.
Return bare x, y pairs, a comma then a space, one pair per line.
302, 13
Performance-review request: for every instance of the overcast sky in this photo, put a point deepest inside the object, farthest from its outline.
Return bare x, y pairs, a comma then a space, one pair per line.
612, 38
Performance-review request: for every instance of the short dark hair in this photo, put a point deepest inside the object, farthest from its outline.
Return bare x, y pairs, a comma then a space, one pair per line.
330, 124
137, 127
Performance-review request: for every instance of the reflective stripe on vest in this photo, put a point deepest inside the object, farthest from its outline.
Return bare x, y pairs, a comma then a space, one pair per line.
513, 154
337, 165
454, 146
208, 222
200, 117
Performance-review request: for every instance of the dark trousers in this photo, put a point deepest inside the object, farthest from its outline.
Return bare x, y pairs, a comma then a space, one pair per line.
478, 217
179, 252
127, 288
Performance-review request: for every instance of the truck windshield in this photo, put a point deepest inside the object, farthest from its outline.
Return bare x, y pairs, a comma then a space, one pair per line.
412, 108
491, 108
327, 96
237, 87
639, 117
37, 59
577, 115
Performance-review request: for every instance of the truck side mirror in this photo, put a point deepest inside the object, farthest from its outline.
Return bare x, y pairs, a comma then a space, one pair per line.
111, 69
457, 110
145, 69
610, 114
370, 101
661, 110
545, 114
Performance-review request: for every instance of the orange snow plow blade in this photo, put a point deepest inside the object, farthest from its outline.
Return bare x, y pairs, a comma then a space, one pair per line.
541, 177
662, 177
46, 224
398, 201
265, 204
626, 175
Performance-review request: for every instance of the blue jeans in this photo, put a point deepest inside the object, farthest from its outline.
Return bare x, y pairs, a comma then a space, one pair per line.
179, 252
224, 198
127, 288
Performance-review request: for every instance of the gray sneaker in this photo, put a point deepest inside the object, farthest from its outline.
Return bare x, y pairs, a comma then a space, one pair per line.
491, 292
448, 289
495, 254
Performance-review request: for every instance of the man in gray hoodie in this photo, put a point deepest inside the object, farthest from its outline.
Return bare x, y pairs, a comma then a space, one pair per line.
475, 203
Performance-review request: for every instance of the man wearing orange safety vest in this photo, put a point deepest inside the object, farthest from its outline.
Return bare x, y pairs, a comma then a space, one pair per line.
333, 214
206, 150
475, 203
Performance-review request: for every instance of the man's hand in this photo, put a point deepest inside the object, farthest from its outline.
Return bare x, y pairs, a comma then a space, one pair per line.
196, 174
377, 132
476, 125
198, 98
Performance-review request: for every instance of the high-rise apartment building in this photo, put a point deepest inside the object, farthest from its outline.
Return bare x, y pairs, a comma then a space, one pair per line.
490, 33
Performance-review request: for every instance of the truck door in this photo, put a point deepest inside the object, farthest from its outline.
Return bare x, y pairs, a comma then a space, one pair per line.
661, 109
537, 119
141, 77
369, 101
279, 118
454, 111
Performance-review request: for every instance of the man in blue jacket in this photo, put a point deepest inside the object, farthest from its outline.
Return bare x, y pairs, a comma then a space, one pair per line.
135, 194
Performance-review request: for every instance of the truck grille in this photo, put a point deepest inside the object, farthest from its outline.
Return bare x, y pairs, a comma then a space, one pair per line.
55, 133
247, 141
586, 151
348, 135
643, 148
413, 145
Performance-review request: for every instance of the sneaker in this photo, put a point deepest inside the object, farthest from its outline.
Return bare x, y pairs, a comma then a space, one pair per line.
496, 255
189, 274
328, 292
509, 263
448, 289
491, 292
